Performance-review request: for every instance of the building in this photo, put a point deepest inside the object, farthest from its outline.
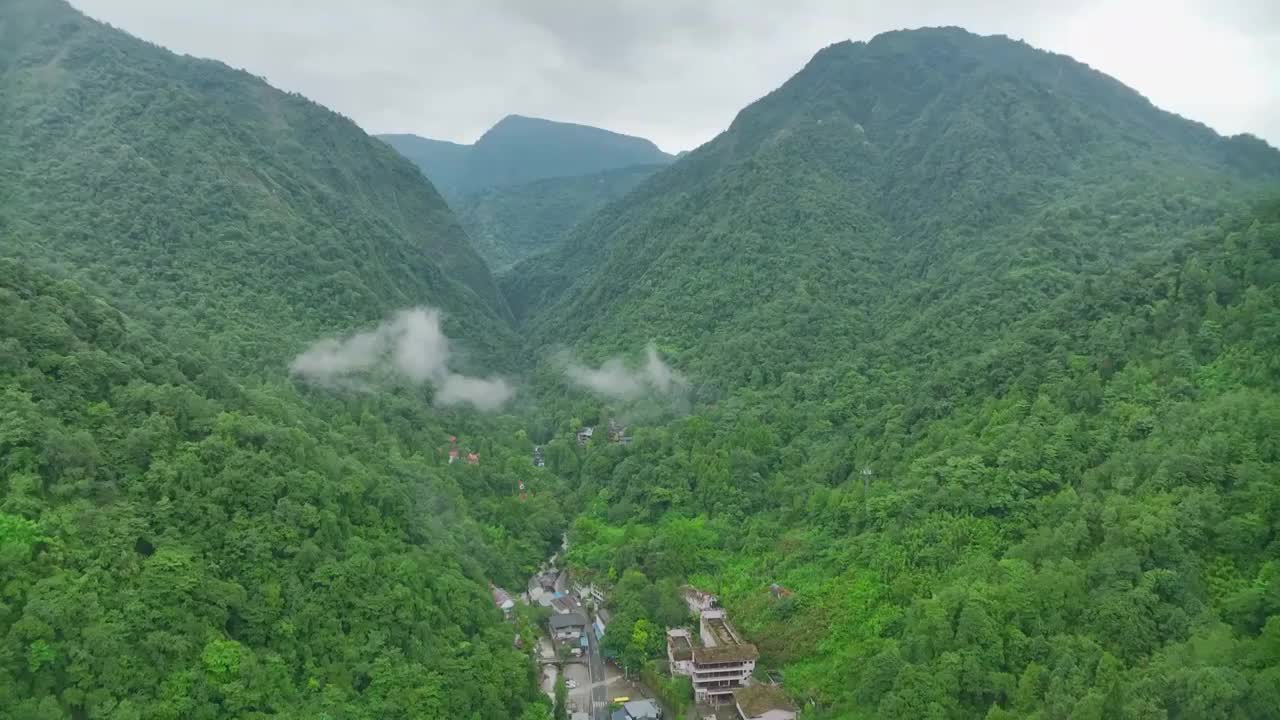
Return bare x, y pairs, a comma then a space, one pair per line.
719, 671
763, 702
568, 627
502, 599
720, 664
638, 710
679, 652
473, 459
698, 600
584, 435
601, 623
588, 591
562, 603
618, 433
538, 460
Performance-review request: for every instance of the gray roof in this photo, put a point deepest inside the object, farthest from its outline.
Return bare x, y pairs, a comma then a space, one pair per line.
643, 710
565, 620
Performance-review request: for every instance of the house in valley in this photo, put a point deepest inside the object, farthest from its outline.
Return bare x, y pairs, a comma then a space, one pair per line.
568, 628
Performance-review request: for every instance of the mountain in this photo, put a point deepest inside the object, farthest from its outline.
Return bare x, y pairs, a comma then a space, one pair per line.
981, 391
519, 150
177, 544
186, 532
512, 222
216, 205
920, 180
1079, 520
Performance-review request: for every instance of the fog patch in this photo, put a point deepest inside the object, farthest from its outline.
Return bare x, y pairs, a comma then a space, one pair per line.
411, 345
616, 379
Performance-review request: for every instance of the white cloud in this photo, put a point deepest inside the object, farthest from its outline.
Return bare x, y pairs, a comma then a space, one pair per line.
412, 344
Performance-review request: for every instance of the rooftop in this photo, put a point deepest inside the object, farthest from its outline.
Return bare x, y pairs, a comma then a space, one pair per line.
760, 699
568, 620
679, 645
725, 653
642, 710
720, 630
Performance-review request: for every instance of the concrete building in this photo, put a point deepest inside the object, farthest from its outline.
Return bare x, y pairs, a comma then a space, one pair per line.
724, 663
568, 627
763, 702
588, 591
679, 652
719, 671
698, 600
584, 435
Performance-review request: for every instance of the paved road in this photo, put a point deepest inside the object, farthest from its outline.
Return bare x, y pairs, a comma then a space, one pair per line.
599, 690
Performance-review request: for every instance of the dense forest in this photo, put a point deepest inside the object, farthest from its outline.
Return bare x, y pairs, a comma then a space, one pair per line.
186, 531
1080, 522
973, 408
981, 349
228, 211
508, 224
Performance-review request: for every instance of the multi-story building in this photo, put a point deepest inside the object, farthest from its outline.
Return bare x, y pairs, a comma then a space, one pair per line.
719, 665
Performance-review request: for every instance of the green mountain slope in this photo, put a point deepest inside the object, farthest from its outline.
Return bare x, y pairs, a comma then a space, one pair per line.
213, 203
522, 149
890, 186
176, 545
508, 224
982, 355
1082, 520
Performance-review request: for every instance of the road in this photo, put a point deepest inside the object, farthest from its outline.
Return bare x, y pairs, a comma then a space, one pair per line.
599, 686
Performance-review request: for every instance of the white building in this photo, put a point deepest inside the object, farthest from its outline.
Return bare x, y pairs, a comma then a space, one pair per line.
679, 652
720, 665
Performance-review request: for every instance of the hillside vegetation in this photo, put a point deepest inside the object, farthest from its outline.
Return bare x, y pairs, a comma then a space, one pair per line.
227, 211
1083, 521
185, 532
509, 224
981, 348
974, 406
177, 545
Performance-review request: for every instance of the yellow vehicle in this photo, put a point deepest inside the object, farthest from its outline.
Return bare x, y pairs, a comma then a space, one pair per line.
621, 700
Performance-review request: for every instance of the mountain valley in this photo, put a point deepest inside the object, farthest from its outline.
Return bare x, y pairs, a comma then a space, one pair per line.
951, 367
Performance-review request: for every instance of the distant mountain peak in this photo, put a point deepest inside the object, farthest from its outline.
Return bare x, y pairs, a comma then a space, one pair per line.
520, 149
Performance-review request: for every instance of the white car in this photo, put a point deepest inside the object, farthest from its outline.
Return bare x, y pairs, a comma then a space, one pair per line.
571, 684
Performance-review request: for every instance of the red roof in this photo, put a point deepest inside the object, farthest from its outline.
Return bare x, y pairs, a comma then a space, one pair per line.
473, 458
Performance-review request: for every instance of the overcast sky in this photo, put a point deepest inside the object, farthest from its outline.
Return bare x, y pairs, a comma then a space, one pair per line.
677, 71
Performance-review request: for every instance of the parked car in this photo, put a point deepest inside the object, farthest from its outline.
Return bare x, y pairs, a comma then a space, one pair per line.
571, 684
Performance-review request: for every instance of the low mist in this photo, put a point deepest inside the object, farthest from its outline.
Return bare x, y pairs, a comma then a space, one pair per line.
615, 379
412, 345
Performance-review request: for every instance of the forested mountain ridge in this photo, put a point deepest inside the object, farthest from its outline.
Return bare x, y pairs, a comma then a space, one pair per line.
177, 545
185, 532
981, 348
520, 149
508, 224
1079, 521
884, 175
983, 363
201, 197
